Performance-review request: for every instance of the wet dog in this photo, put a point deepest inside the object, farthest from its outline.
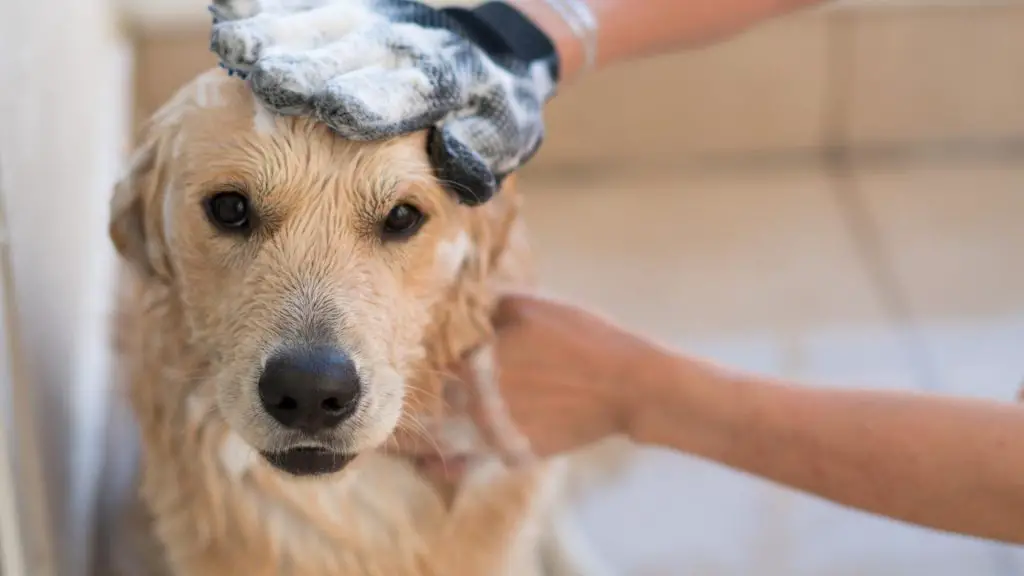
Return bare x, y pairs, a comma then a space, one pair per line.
290, 305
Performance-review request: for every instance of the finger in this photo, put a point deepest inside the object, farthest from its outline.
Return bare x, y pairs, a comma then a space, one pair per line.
376, 104
293, 82
367, 86
490, 411
240, 43
456, 394
237, 9
283, 85
508, 125
474, 152
237, 43
509, 310
459, 167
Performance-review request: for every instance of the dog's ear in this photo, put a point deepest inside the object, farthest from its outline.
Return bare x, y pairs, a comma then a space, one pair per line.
499, 260
509, 261
502, 259
462, 320
135, 211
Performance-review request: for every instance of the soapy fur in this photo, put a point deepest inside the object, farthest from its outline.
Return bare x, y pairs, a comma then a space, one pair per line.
376, 69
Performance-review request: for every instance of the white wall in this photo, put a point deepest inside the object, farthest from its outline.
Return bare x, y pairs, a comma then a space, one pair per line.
64, 116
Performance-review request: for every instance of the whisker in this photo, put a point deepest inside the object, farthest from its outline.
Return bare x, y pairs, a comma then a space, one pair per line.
415, 428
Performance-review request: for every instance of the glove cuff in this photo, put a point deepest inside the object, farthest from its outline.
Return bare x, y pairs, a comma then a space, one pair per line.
506, 35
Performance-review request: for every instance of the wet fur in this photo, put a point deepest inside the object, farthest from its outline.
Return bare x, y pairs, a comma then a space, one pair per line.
209, 503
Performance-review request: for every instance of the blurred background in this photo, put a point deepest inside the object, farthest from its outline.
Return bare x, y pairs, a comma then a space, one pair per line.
836, 197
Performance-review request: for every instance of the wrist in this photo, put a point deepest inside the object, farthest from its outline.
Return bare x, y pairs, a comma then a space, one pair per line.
569, 48
640, 382
677, 402
507, 35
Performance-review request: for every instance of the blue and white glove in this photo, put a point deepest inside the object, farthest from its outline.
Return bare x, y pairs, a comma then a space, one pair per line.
375, 69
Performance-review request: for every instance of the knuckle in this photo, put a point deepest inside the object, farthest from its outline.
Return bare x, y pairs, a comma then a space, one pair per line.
236, 42
278, 90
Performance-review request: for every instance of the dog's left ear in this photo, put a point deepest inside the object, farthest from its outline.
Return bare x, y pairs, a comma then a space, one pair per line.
135, 211
503, 253
499, 260
509, 261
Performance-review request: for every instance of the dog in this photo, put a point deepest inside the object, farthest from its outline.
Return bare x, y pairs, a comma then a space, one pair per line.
290, 304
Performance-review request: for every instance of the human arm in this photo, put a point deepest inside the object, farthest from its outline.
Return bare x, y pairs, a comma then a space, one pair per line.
568, 378
952, 464
632, 29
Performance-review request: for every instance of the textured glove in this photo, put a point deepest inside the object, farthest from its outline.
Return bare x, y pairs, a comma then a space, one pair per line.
374, 69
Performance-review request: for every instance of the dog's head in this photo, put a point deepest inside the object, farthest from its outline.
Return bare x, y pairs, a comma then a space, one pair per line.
323, 282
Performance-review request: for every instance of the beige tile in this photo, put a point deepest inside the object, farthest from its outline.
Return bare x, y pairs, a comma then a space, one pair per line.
980, 358
166, 60
687, 256
762, 90
954, 236
929, 73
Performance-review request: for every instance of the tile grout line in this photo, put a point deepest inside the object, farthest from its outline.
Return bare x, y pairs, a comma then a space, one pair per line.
877, 155
838, 75
840, 170
873, 254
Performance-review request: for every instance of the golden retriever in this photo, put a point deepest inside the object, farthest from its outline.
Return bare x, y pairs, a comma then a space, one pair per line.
290, 305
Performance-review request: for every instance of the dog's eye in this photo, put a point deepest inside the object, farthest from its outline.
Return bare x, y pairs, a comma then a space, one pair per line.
229, 211
402, 222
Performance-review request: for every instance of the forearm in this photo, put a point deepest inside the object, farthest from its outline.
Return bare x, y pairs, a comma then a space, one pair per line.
949, 464
636, 28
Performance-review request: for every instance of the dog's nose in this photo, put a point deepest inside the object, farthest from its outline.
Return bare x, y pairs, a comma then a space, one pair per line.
310, 389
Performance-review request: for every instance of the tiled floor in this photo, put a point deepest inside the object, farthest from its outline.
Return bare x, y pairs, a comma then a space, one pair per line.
897, 275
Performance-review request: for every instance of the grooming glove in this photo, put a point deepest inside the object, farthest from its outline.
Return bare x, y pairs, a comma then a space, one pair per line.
376, 69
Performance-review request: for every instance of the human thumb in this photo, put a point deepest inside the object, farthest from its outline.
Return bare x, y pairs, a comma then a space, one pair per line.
460, 168
479, 377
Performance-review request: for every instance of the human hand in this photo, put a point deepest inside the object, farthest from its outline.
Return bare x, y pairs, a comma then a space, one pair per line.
558, 378
375, 69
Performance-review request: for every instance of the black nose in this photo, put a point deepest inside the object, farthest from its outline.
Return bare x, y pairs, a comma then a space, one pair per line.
310, 389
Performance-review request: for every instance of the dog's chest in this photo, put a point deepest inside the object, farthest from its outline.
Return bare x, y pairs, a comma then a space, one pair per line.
377, 516
383, 519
